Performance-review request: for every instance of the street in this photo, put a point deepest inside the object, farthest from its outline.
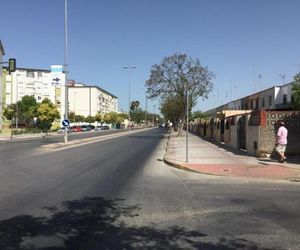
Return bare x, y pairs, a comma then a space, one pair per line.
119, 194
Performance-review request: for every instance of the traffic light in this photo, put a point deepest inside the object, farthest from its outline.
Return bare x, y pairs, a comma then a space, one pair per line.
12, 65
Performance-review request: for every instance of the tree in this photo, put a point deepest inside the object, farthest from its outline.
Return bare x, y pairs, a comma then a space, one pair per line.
198, 114
27, 109
176, 74
172, 108
295, 102
111, 118
10, 112
98, 117
123, 116
46, 114
134, 105
79, 118
90, 119
71, 116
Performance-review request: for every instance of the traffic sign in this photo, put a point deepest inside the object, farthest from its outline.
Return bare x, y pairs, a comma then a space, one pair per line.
57, 75
65, 122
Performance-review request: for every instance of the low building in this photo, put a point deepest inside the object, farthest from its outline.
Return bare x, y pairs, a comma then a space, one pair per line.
88, 100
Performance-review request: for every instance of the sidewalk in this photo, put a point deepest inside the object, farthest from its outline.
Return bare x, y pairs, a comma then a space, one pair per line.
209, 158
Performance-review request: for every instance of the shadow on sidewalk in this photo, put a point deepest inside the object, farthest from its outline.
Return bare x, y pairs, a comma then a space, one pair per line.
97, 223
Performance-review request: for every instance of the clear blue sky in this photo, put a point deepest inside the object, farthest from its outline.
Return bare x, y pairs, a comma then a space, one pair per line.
237, 39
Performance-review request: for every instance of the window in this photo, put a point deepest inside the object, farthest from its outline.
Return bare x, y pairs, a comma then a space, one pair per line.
257, 103
40, 74
251, 104
263, 102
270, 100
284, 99
30, 74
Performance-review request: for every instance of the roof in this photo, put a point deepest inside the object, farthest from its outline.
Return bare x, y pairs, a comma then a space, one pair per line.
1, 48
97, 87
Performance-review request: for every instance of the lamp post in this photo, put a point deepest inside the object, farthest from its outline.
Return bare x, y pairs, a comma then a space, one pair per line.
129, 87
66, 70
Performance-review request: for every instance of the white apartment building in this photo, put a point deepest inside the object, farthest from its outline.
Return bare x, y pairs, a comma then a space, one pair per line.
83, 99
2, 53
35, 82
88, 100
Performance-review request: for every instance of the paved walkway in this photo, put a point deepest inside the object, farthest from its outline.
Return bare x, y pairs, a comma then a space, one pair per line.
207, 157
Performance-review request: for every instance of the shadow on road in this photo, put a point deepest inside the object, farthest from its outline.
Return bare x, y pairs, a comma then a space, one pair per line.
96, 223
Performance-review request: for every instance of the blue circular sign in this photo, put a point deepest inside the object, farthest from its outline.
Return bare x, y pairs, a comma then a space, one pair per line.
65, 122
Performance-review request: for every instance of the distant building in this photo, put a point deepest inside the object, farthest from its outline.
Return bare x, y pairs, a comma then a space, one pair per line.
2, 53
83, 99
273, 98
88, 100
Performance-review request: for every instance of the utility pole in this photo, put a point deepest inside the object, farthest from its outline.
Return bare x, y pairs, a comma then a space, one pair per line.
187, 125
129, 91
66, 70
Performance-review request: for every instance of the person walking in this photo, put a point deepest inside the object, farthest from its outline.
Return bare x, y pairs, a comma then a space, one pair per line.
281, 142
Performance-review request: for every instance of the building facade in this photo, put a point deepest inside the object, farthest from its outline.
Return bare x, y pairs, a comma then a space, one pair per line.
88, 100
2, 53
82, 99
32, 82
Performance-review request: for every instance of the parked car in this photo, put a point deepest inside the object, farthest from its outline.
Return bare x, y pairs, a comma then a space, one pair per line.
62, 130
85, 128
76, 129
104, 127
92, 127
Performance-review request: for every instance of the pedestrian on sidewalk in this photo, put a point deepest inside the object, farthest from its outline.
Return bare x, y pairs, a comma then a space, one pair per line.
281, 142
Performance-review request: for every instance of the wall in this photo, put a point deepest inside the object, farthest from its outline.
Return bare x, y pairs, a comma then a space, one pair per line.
252, 134
269, 130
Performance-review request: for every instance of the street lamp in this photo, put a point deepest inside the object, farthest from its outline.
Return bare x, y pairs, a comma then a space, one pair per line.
66, 70
129, 87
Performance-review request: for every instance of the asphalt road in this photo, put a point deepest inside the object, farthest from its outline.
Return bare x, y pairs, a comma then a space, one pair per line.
119, 194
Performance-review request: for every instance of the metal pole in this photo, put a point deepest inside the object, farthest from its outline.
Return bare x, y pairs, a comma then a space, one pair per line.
17, 97
145, 109
129, 87
66, 70
187, 125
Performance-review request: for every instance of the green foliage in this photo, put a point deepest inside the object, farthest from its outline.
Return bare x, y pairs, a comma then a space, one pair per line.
111, 118
138, 115
10, 112
172, 108
71, 116
198, 115
297, 78
90, 119
79, 118
172, 77
98, 117
134, 106
46, 113
27, 109
123, 116
296, 96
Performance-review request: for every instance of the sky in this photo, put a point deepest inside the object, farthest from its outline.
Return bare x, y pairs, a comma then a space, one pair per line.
249, 45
